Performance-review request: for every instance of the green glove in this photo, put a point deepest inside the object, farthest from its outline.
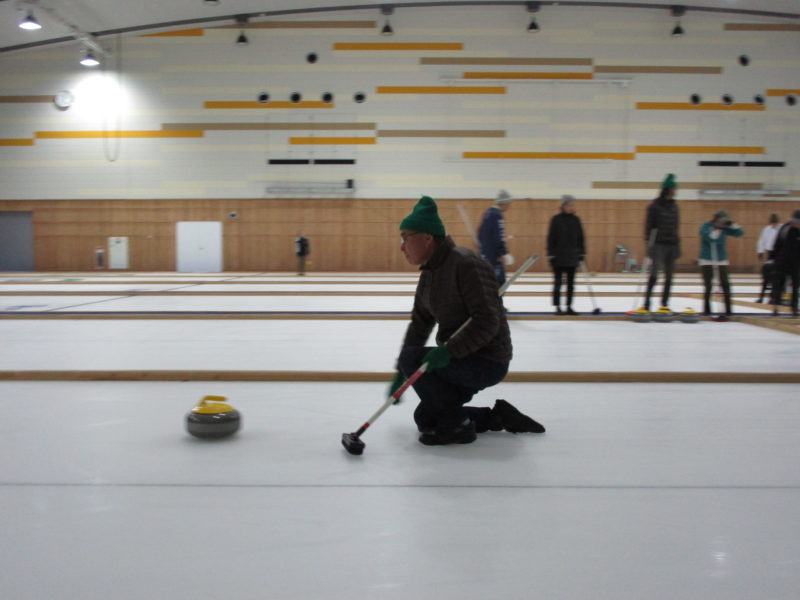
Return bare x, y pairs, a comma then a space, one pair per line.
437, 358
398, 381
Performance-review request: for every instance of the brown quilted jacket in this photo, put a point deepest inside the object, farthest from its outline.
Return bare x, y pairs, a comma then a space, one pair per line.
456, 284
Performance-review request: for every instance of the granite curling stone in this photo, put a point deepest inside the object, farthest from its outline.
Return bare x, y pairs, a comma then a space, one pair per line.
212, 418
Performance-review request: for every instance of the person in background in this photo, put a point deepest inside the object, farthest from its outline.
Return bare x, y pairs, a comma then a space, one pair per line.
763, 249
455, 285
302, 249
566, 248
661, 233
714, 256
492, 236
786, 254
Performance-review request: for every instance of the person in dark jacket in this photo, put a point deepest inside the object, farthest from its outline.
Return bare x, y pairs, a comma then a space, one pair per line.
566, 249
492, 236
302, 249
455, 285
661, 233
786, 256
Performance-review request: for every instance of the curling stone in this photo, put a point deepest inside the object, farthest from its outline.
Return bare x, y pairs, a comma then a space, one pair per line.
641, 315
663, 315
689, 316
213, 417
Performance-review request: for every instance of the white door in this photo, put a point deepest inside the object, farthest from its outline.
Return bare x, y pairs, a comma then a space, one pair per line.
118, 252
199, 246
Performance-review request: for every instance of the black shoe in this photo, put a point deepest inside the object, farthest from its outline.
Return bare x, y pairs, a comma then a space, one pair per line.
571, 312
559, 311
514, 421
462, 434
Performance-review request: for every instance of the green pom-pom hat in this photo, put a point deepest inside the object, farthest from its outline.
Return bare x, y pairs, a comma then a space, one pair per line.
669, 182
424, 218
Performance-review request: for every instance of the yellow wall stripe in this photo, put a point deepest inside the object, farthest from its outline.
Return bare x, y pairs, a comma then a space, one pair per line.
177, 33
163, 133
16, 142
272, 126
397, 46
700, 149
439, 89
331, 140
551, 155
786, 92
703, 106
254, 104
528, 75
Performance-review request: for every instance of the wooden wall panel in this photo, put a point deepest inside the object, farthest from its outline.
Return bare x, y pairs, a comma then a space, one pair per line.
352, 234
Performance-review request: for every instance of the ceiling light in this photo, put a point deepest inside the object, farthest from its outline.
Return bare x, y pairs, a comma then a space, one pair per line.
533, 7
29, 22
89, 60
211, 2
242, 20
387, 10
678, 11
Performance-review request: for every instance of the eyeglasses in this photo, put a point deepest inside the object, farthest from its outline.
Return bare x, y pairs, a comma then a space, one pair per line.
404, 236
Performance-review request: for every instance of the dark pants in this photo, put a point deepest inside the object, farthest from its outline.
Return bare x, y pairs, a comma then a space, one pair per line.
499, 272
301, 264
708, 282
444, 392
781, 274
559, 273
663, 257
767, 277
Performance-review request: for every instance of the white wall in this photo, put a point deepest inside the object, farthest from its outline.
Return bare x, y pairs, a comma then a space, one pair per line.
168, 79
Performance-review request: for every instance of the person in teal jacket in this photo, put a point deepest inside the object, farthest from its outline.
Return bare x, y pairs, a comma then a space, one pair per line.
714, 256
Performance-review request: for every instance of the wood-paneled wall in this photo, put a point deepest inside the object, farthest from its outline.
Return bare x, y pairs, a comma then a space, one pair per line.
351, 234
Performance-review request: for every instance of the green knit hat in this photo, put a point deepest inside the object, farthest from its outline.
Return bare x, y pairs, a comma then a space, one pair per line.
669, 182
424, 218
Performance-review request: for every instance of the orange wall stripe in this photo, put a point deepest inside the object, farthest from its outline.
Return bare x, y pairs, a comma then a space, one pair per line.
774, 93
331, 140
397, 46
552, 155
529, 75
690, 106
177, 33
439, 89
163, 133
254, 104
16, 142
700, 149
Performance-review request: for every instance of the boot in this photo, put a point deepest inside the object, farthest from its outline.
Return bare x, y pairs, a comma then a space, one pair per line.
514, 421
461, 434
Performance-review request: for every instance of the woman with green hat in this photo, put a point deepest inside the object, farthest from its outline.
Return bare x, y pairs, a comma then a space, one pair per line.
661, 232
